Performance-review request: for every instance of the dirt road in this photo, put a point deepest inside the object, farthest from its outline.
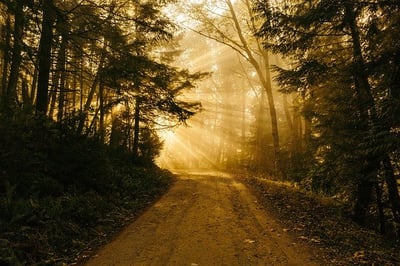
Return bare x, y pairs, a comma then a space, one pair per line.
205, 219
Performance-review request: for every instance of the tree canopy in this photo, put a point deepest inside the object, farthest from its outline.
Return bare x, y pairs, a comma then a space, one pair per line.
82, 63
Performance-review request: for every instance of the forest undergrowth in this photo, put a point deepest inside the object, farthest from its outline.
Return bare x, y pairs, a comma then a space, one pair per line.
322, 223
61, 197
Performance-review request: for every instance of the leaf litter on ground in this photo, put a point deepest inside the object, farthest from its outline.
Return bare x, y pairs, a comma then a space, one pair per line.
322, 225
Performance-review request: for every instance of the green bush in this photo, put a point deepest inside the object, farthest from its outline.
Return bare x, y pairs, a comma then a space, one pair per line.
86, 209
60, 192
82, 164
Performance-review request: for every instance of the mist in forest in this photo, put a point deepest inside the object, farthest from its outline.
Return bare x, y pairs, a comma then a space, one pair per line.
234, 129
233, 121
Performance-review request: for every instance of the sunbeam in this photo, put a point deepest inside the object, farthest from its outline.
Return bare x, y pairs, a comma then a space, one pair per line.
234, 128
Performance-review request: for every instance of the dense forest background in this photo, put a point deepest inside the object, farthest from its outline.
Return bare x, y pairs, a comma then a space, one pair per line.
300, 91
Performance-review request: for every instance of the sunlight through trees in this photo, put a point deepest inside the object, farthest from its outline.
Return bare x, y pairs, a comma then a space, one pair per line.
290, 90
300, 90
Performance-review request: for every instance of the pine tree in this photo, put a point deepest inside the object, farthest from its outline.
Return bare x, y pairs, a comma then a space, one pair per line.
338, 66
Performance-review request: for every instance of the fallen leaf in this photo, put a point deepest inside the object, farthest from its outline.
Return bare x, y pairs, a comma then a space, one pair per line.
249, 241
359, 254
315, 240
303, 237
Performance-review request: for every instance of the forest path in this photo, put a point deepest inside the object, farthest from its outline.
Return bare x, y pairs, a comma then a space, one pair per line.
204, 219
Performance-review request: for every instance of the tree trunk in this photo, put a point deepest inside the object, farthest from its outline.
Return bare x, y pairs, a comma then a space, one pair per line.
89, 99
11, 91
393, 191
243, 141
26, 99
56, 80
34, 85
116, 137
278, 169
367, 110
102, 130
379, 203
44, 56
61, 97
293, 129
136, 128
298, 129
265, 79
75, 78
363, 200
259, 142
6, 56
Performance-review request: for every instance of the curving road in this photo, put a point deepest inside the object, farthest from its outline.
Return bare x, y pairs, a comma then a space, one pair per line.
205, 219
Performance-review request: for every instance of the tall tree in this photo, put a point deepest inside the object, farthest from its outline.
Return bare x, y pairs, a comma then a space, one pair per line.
225, 26
5, 45
44, 55
328, 43
11, 91
82, 62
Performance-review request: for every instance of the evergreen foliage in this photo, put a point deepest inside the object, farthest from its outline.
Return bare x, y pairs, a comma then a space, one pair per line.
63, 195
83, 92
343, 63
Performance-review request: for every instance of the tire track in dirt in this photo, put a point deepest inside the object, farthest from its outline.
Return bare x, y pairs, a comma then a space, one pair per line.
204, 219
